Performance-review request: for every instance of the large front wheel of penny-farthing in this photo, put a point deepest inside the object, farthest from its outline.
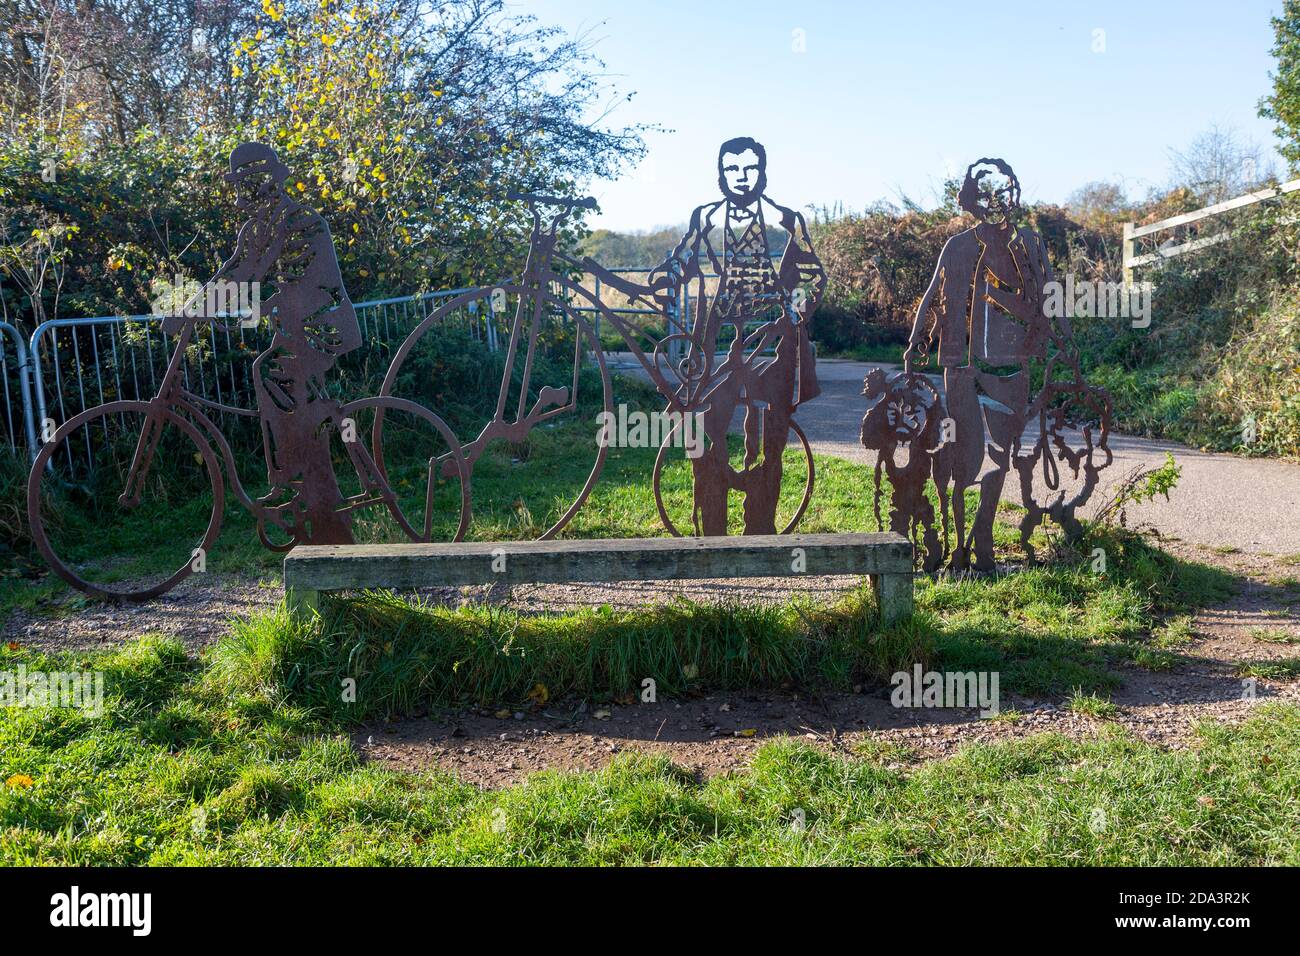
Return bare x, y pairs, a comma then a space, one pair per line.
79, 507
585, 341
661, 461
488, 312
438, 507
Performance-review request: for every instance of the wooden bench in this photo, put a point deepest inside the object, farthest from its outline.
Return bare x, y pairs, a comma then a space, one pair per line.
885, 557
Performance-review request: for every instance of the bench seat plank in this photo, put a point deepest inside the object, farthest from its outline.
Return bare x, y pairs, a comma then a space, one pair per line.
313, 568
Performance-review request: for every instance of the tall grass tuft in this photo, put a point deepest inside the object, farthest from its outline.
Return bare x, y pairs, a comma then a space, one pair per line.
406, 657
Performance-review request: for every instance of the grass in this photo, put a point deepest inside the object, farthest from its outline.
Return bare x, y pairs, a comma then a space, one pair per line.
1174, 633
1223, 357
890, 353
1285, 669
1045, 630
242, 756
884, 752
1155, 659
182, 769
406, 658
1090, 705
1273, 635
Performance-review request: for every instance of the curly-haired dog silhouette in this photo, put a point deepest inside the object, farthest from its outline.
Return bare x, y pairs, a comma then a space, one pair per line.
903, 424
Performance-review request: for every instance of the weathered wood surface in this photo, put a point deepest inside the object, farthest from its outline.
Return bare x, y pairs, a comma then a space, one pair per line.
886, 557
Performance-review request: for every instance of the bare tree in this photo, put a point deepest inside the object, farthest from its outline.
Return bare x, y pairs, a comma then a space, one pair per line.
128, 64
1219, 164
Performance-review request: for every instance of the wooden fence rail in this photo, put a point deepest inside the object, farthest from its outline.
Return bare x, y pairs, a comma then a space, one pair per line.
1133, 232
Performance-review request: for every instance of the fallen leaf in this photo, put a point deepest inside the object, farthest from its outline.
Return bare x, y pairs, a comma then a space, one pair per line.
539, 694
747, 732
601, 714
503, 713
13, 645
1205, 801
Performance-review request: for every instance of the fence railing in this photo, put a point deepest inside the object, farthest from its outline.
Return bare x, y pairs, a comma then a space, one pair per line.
679, 317
1134, 232
16, 391
70, 365
79, 363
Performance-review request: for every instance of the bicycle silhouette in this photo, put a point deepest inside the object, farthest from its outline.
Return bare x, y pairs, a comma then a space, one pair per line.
178, 416
547, 289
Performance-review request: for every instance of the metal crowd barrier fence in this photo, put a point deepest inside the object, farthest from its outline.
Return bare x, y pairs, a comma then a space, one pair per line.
19, 424
70, 365
680, 314
77, 364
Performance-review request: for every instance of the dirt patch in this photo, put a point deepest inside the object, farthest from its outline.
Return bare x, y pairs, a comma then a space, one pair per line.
708, 740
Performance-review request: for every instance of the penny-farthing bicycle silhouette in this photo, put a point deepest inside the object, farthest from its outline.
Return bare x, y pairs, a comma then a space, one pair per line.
547, 291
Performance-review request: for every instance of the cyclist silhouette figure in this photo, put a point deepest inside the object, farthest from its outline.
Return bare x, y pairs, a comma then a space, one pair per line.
732, 236
287, 246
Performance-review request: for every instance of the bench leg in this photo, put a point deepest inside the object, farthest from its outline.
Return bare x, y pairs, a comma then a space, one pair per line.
893, 595
301, 601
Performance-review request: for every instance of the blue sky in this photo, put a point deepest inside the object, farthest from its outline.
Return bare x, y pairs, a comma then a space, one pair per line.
890, 97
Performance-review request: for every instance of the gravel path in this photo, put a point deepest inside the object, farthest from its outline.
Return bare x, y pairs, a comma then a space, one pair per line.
198, 612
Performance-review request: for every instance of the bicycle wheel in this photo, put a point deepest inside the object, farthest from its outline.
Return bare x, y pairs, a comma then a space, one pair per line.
441, 465
586, 340
661, 460
79, 509
531, 445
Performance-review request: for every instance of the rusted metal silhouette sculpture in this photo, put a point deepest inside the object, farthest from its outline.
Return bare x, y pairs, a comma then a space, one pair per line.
768, 369
903, 425
1051, 447
545, 289
983, 313
777, 299
288, 247
758, 305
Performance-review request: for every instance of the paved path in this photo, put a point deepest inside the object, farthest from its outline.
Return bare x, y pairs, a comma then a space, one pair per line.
1221, 500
